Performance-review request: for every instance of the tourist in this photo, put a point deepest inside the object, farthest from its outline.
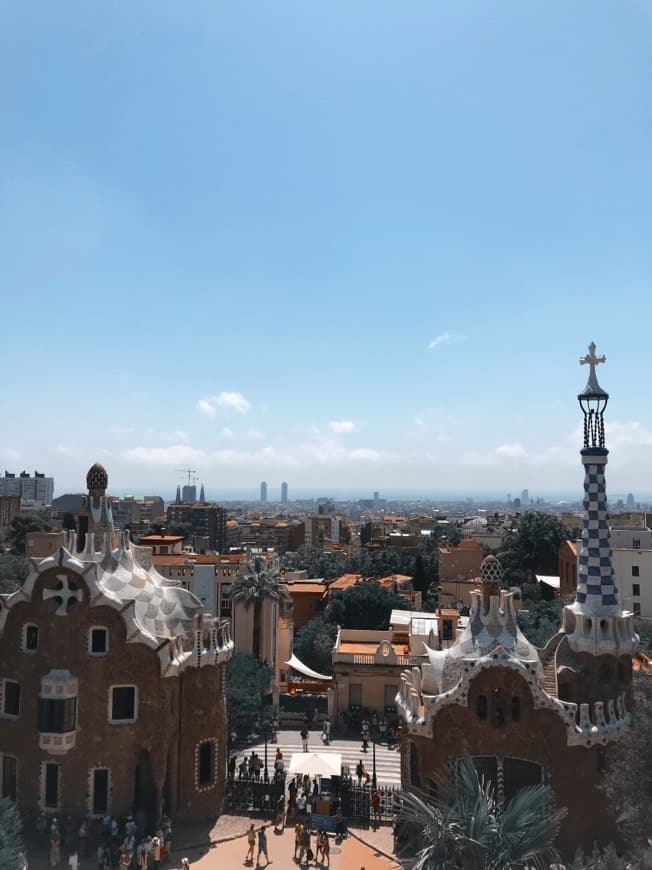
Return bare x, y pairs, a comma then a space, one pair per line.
280, 814
326, 732
232, 764
244, 771
365, 740
55, 846
304, 738
262, 846
324, 846
305, 844
83, 834
185, 864
73, 861
298, 833
156, 853
340, 825
251, 843
375, 807
100, 857
359, 771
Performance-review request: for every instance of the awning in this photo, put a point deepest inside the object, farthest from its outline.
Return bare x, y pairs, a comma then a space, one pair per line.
297, 665
549, 580
317, 763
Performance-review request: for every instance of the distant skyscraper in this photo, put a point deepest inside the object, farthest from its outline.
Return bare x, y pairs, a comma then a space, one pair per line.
178, 499
284, 493
202, 497
376, 496
189, 494
630, 499
525, 497
263, 492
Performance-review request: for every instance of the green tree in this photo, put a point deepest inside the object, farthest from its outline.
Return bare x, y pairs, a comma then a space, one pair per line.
255, 586
644, 631
22, 524
474, 830
627, 781
540, 620
314, 642
11, 836
13, 573
533, 548
247, 683
419, 579
365, 605
179, 529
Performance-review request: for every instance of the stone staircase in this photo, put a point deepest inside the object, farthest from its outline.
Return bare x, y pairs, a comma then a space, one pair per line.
549, 661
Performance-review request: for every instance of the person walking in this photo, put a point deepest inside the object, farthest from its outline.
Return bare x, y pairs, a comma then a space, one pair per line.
280, 814
305, 845
375, 807
323, 848
55, 848
359, 771
340, 825
365, 740
298, 832
304, 738
156, 853
262, 847
251, 842
73, 860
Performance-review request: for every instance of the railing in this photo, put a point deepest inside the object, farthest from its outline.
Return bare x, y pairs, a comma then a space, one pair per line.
369, 661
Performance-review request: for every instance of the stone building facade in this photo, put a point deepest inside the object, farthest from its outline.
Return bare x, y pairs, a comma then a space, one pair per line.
528, 716
111, 686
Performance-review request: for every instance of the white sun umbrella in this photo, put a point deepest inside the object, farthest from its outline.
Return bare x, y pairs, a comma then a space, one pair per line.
317, 763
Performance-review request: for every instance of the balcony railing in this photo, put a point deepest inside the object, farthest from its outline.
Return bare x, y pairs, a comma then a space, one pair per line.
369, 661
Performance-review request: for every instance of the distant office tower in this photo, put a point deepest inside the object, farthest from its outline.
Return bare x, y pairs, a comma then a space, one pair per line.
34, 491
178, 498
263, 492
509, 498
525, 497
376, 497
630, 499
284, 493
189, 494
202, 497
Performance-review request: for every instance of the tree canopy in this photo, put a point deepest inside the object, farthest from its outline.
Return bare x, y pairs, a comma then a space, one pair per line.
627, 781
533, 548
473, 829
365, 605
22, 524
313, 644
13, 572
11, 838
247, 683
540, 621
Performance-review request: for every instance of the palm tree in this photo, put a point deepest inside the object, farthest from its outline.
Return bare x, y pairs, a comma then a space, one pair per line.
257, 585
473, 830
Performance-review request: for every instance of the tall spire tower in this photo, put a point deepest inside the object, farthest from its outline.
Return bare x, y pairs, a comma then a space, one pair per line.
596, 623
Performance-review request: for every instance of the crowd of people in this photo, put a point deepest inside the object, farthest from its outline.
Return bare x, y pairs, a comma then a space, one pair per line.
113, 845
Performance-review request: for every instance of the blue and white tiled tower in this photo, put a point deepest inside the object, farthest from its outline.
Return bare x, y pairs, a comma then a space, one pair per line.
595, 622
596, 587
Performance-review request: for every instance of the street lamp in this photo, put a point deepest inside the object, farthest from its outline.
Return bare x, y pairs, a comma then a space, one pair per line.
374, 736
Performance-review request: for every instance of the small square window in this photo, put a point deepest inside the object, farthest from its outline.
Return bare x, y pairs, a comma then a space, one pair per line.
637, 608
636, 589
636, 544
635, 571
11, 698
98, 642
30, 640
123, 704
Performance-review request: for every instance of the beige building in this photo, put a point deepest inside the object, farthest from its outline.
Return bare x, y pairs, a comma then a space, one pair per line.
460, 563
367, 665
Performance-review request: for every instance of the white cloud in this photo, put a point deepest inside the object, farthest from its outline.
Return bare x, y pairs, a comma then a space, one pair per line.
68, 450
445, 338
205, 407
10, 454
227, 433
233, 402
342, 427
174, 454
255, 434
511, 451
419, 422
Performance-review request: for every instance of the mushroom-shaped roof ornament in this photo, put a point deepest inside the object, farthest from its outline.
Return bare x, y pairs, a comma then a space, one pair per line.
97, 479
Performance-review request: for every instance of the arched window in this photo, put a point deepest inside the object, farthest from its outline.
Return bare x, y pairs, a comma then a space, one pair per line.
605, 673
481, 708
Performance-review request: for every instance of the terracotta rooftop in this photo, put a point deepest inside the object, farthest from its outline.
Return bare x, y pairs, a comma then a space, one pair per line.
160, 539
305, 588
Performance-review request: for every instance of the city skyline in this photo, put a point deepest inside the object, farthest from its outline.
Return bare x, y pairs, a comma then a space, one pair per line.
341, 246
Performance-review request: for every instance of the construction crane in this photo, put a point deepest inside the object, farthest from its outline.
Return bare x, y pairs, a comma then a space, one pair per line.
190, 472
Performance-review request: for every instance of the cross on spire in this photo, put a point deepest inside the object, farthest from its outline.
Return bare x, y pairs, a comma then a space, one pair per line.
592, 388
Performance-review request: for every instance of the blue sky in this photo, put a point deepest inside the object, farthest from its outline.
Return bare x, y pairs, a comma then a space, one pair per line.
345, 244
